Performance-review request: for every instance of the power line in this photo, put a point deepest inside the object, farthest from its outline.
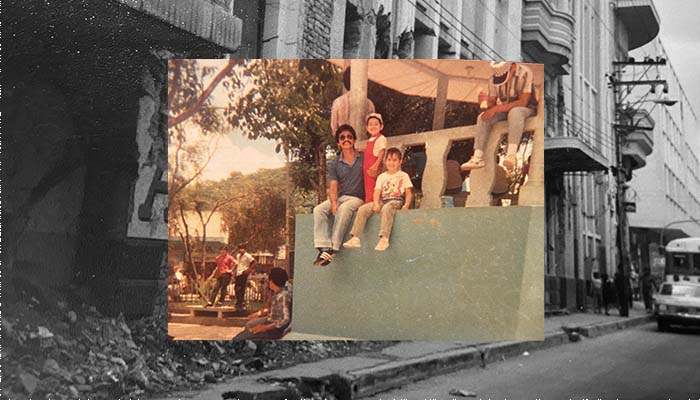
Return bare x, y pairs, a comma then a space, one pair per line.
475, 36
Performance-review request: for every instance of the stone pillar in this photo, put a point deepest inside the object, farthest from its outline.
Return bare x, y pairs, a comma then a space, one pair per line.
338, 28
481, 180
281, 30
440, 102
403, 27
455, 27
434, 175
368, 28
358, 95
532, 194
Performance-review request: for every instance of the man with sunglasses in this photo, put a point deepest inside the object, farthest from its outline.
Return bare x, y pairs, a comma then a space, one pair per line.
345, 195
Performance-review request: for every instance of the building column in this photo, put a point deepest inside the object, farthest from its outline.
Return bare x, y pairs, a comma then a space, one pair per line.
440, 102
338, 28
403, 30
358, 94
427, 42
281, 29
368, 28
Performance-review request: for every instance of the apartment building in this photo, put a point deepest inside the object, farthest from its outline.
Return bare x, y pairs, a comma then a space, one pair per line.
666, 191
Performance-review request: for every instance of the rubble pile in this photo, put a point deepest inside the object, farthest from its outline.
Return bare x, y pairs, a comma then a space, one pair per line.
70, 353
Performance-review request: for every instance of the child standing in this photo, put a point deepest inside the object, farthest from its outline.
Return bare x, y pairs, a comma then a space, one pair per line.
391, 192
374, 152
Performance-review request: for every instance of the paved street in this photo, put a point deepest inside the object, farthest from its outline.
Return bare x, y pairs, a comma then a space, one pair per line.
639, 363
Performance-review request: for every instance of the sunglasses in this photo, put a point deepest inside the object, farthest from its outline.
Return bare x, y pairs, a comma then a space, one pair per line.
344, 137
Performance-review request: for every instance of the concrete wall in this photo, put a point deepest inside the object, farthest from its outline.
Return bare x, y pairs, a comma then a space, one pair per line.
44, 171
449, 274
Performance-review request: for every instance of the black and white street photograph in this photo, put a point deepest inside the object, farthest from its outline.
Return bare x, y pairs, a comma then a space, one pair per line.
112, 226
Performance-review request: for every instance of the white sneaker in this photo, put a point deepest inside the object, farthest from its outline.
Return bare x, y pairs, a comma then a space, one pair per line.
473, 163
353, 243
382, 244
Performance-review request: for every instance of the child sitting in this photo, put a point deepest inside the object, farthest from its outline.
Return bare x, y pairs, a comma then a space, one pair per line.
392, 192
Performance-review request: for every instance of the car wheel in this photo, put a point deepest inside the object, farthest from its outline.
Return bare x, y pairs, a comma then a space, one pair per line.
662, 325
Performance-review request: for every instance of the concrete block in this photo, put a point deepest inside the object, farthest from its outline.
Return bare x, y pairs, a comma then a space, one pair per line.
450, 274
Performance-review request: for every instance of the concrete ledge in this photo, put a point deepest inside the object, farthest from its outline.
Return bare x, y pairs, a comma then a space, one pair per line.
369, 381
451, 274
609, 327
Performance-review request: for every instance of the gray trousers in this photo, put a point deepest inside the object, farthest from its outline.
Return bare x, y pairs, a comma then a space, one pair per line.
387, 213
516, 123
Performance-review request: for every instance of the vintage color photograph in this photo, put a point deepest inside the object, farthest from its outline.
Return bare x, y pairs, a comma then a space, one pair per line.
284, 165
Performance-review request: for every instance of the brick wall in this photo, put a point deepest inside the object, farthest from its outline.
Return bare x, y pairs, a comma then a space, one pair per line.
317, 17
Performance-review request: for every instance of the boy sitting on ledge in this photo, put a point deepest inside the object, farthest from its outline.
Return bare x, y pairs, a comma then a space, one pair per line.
392, 192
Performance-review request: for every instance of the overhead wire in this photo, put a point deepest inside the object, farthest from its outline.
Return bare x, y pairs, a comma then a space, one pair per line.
475, 36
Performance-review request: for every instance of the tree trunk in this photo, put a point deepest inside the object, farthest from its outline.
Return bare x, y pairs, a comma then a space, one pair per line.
321, 153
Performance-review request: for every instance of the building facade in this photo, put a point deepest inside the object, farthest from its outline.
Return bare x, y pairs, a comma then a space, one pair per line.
113, 197
667, 190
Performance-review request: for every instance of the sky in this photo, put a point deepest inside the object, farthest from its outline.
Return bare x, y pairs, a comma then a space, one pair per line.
680, 34
234, 151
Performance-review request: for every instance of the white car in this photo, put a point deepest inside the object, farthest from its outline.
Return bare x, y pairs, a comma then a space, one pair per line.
677, 303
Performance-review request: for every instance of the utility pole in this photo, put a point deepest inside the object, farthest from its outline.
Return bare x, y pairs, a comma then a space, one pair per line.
624, 124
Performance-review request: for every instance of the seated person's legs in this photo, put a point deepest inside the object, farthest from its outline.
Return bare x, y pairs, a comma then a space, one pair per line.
516, 125
322, 216
363, 214
347, 206
388, 212
483, 129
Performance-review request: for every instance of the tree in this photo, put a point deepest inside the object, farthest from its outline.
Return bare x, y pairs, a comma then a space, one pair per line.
205, 199
190, 110
256, 218
289, 101
191, 114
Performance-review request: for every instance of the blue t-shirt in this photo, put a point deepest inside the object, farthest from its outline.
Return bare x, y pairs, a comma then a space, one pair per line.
349, 176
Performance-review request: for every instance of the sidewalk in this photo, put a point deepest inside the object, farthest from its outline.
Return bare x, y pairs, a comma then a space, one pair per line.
365, 375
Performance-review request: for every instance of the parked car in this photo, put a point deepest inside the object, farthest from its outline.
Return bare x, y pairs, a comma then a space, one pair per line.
677, 303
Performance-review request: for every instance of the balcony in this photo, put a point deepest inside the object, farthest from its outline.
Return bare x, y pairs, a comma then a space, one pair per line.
639, 141
547, 34
640, 19
576, 150
437, 144
212, 22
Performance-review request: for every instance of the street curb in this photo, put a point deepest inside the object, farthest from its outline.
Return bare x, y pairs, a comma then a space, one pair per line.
369, 381
603, 328
596, 330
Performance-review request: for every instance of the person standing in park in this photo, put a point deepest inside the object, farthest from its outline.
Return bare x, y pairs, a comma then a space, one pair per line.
225, 265
245, 266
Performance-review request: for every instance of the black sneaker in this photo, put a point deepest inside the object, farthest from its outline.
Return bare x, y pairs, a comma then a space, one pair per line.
324, 258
